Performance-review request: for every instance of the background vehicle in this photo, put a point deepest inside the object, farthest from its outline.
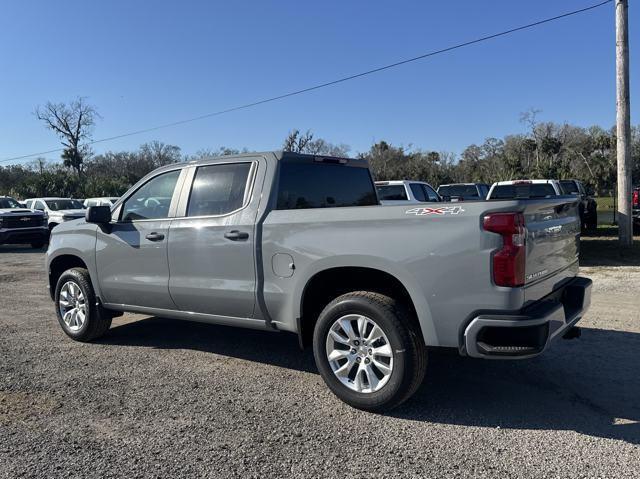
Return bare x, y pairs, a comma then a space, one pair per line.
635, 204
398, 192
291, 242
58, 210
464, 191
588, 207
20, 225
103, 201
522, 189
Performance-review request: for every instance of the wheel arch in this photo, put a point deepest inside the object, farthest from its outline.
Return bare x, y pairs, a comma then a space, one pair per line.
61, 263
327, 283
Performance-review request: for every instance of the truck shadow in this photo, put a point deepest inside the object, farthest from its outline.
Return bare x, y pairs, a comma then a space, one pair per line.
590, 385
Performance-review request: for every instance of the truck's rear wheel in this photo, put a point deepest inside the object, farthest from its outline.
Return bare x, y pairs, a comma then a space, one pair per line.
367, 351
79, 315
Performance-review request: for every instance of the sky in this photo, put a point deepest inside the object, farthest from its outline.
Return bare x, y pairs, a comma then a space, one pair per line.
147, 63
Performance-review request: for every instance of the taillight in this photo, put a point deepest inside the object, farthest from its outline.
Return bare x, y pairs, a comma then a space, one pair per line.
509, 261
636, 198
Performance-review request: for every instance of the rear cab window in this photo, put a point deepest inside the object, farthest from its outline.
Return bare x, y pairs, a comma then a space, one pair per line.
308, 182
523, 190
392, 193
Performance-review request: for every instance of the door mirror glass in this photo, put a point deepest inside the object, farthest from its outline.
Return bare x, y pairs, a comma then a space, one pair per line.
98, 214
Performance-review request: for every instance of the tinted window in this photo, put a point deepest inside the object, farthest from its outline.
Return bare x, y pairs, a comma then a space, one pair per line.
38, 205
418, 192
392, 193
431, 194
57, 205
569, 187
484, 190
9, 203
526, 190
463, 191
151, 200
218, 189
324, 185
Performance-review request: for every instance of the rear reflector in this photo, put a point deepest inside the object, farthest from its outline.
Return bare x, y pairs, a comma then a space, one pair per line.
508, 261
636, 198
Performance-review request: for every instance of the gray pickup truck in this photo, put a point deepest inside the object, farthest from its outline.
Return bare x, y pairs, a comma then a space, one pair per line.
290, 242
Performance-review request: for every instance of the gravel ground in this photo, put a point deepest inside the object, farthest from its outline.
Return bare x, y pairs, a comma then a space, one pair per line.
161, 398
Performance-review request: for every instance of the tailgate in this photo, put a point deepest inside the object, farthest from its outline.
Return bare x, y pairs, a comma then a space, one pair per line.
553, 243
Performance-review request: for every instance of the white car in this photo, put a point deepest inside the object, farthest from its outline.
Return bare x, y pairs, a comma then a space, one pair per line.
58, 210
103, 201
504, 190
399, 192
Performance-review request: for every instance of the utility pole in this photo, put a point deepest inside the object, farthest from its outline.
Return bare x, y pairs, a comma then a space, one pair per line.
623, 124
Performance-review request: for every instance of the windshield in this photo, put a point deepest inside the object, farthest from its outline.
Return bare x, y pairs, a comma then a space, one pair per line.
57, 205
569, 186
9, 203
392, 193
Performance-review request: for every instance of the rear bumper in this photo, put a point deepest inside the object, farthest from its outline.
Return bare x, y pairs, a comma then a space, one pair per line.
24, 235
529, 332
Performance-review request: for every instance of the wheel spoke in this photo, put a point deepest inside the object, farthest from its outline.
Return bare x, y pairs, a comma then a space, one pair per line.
372, 379
384, 350
357, 381
67, 317
345, 369
375, 334
362, 325
345, 324
338, 337
339, 354
384, 369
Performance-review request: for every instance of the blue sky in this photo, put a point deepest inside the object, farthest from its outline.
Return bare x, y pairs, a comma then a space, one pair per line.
148, 63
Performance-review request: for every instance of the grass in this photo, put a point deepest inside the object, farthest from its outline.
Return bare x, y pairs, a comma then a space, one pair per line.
605, 203
601, 248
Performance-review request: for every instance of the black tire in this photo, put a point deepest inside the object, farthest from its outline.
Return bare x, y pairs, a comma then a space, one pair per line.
97, 320
408, 349
37, 245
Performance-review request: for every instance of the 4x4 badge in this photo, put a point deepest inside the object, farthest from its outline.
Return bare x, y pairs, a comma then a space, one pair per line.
441, 210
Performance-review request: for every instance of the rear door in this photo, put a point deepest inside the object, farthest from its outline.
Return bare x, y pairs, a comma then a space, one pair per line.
212, 241
131, 255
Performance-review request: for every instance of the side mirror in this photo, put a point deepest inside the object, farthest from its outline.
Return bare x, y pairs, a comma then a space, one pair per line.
98, 214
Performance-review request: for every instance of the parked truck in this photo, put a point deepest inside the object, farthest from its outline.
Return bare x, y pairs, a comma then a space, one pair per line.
298, 243
19, 225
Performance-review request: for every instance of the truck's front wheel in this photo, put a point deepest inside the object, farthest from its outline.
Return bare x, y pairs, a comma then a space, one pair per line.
367, 351
79, 314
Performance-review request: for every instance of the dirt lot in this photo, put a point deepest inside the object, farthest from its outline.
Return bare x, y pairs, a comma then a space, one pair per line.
161, 398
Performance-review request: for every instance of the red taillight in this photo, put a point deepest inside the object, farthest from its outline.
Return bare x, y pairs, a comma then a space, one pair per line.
636, 198
509, 261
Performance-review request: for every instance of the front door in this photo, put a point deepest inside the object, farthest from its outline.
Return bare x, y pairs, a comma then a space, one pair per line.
212, 244
131, 254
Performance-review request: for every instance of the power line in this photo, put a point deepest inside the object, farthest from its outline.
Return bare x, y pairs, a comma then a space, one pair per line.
323, 85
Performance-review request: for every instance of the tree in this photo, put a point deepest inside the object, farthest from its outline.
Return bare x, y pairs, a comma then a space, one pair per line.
72, 123
304, 143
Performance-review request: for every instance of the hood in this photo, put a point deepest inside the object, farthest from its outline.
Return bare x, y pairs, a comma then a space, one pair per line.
76, 213
18, 211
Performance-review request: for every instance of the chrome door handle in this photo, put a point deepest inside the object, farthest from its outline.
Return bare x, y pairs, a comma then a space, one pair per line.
236, 235
155, 236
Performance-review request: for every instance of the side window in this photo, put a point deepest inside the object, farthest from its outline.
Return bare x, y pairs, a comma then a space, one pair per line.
218, 189
91, 203
418, 192
430, 193
38, 205
151, 200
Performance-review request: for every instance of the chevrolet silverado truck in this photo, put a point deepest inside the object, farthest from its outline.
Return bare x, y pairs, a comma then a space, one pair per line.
20, 225
287, 242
